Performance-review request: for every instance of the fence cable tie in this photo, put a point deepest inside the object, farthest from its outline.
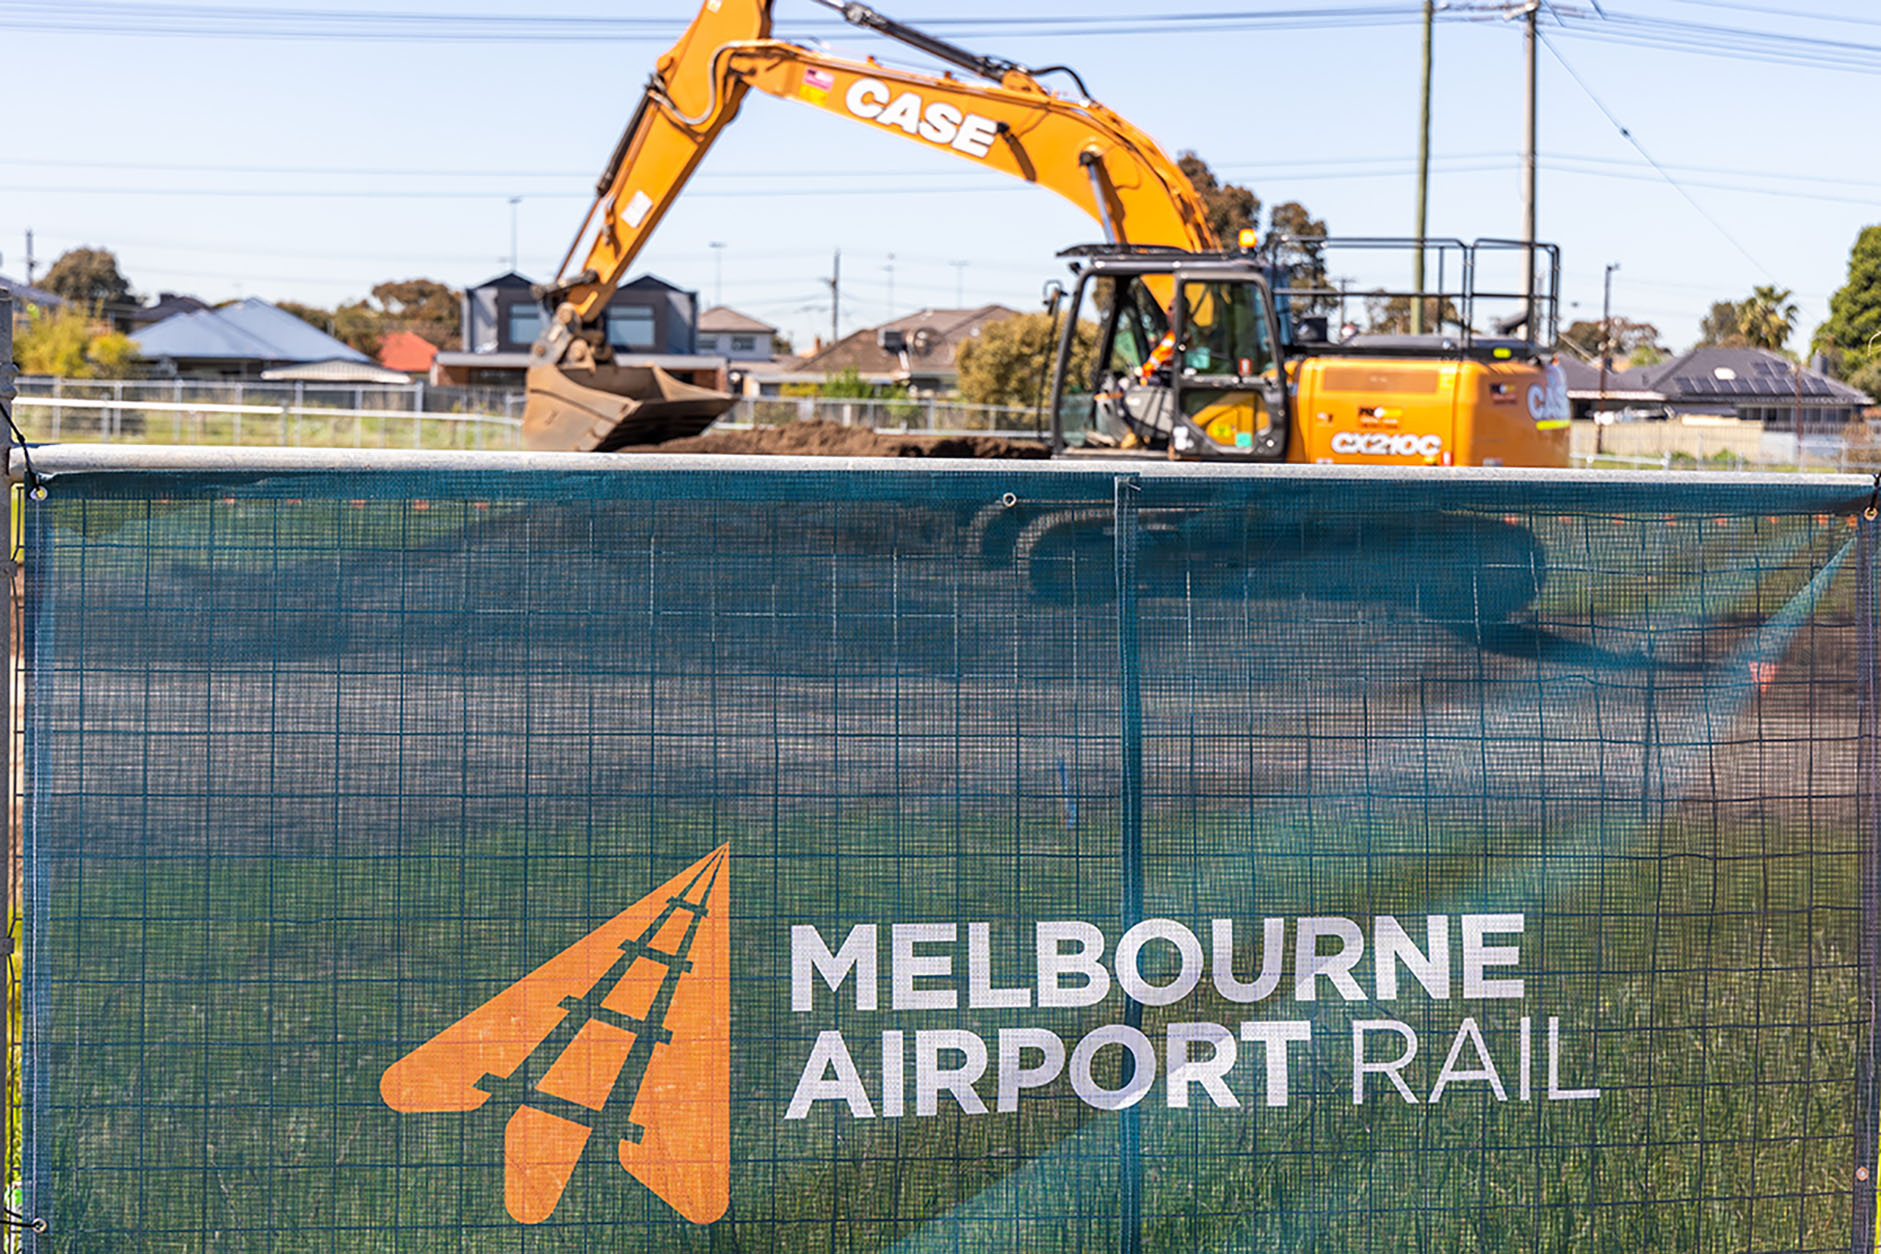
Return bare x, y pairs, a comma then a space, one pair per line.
1874, 499
10, 1218
31, 477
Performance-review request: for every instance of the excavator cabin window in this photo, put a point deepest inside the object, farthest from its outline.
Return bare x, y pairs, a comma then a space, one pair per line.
1225, 331
1134, 320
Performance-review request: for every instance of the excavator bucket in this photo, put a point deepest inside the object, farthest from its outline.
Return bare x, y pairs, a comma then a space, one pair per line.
596, 409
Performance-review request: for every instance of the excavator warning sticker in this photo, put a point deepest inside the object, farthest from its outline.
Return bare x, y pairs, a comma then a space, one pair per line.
816, 86
619, 1046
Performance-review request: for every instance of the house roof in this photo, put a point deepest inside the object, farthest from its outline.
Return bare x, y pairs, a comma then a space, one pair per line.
1713, 376
25, 294
249, 330
723, 318
509, 278
402, 350
652, 280
1735, 375
342, 371
932, 337
167, 304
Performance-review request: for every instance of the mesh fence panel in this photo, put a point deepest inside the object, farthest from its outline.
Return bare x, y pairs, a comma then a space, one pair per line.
732, 857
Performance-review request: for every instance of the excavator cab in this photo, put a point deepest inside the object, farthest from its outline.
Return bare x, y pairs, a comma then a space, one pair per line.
1186, 354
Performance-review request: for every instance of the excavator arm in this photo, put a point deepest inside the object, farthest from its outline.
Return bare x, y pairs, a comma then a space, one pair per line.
1010, 122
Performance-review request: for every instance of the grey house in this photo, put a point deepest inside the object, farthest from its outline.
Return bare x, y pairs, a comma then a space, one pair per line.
1748, 384
648, 320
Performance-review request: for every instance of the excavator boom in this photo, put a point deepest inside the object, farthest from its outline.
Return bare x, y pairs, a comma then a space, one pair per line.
578, 398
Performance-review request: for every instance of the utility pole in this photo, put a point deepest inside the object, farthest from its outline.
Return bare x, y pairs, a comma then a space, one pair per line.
1423, 175
30, 263
890, 268
513, 202
1606, 353
1796, 391
718, 272
835, 294
1531, 40
960, 282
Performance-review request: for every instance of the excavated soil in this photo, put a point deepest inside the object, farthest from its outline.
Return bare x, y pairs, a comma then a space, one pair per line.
818, 438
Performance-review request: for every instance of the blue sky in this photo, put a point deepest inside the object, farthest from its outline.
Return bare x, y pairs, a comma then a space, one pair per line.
309, 169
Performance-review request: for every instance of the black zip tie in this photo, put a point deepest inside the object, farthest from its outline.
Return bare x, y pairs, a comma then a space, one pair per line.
10, 1218
31, 477
1874, 499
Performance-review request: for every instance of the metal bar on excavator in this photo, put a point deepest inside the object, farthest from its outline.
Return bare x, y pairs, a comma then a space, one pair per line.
994, 68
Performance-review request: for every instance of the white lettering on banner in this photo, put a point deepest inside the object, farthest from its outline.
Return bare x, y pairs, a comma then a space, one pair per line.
808, 953
1054, 965
929, 968
1386, 444
1548, 400
1276, 1036
938, 122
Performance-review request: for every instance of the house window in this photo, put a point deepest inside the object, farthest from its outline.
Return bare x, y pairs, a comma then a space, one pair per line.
630, 327
525, 323
744, 344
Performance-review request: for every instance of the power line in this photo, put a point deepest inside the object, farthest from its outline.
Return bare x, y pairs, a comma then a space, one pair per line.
1789, 14
211, 21
1641, 149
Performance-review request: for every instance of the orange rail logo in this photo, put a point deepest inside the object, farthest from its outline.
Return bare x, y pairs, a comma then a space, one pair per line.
622, 1039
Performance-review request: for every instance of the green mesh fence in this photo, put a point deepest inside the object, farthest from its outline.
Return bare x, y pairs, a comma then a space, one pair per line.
710, 856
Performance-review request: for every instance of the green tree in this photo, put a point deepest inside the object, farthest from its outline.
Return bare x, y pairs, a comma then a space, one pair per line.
1629, 337
1302, 253
1229, 208
431, 310
1868, 378
358, 325
1008, 362
1645, 355
314, 316
848, 384
89, 278
1766, 317
1391, 315
68, 343
1855, 310
1719, 327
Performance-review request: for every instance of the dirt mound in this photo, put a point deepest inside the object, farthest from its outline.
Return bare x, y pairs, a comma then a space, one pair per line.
817, 438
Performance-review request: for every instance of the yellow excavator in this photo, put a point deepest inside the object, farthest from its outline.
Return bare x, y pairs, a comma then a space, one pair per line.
1203, 353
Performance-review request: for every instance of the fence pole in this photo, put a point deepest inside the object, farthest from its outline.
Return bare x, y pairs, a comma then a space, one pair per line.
1125, 490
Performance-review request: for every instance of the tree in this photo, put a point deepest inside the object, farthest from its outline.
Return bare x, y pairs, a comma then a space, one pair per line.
89, 278
70, 344
1303, 256
1766, 317
1391, 315
848, 384
1228, 207
1868, 378
1855, 309
360, 326
430, 310
1719, 328
1629, 338
1009, 362
1645, 355
313, 316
